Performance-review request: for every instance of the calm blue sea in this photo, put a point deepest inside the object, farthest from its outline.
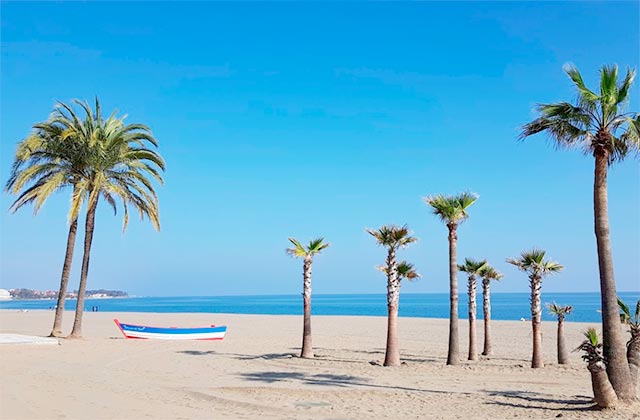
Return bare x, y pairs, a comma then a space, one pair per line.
505, 306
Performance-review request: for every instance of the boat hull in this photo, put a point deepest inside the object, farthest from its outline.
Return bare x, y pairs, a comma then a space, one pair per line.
145, 332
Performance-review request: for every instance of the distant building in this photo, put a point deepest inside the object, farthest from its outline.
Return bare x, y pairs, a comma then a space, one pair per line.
4, 294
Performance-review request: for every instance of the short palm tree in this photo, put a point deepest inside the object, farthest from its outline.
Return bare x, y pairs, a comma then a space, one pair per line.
46, 161
488, 274
598, 125
452, 210
306, 253
473, 269
560, 312
533, 263
633, 345
603, 393
393, 238
121, 163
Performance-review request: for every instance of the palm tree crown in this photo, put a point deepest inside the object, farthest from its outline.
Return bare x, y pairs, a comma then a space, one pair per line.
451, 209
559, 310
490, 273
597, 121
299, 251
533, 263
393, 236
473, 267
47, 160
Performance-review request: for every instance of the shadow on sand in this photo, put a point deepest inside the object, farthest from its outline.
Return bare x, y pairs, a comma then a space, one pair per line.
328, 379
526, 399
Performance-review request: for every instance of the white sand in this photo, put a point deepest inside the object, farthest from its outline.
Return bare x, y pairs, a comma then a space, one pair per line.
252, 375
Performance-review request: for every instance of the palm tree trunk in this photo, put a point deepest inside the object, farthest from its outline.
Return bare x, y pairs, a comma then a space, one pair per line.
452, 356
633, 356
486, 307
563, 355
392, 352
603, 392
473, 350
613, 344
76, 331
536, 359
56, 331
307, 347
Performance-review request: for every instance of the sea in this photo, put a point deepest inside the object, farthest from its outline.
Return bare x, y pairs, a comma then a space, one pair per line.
504, 306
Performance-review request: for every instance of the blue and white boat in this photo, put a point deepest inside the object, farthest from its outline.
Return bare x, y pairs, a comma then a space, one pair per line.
172, 333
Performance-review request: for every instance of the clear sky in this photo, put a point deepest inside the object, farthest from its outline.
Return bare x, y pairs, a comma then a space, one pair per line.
318, 119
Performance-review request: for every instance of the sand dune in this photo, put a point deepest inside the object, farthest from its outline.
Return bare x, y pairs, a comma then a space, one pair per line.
254, 373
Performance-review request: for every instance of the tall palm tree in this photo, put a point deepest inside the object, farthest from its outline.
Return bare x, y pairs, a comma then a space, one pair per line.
598, 125
488, 274
560, 312
46, 161
633, 345
473, 269
393, 238
120, 163
299, 251
452, 210
532, 262
603, 392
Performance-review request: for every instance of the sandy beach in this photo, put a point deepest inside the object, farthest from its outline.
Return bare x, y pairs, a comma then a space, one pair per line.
254, 372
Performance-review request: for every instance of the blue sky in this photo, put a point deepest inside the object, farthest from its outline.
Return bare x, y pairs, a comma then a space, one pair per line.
314, 119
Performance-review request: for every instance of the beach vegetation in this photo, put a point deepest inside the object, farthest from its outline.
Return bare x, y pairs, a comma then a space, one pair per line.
120, 164
597, 123
534, 264
49, 160
488, 275
393, 238
306, 254
633, 345
561, 312
474, 269
603, 392
452, 211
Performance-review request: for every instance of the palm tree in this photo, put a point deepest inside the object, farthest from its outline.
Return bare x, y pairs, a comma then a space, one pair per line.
488, 274
560, 312
47, 161
633, 345
598, 125
299, 251
533, 263
120, 163
393, 237
452, 210
603, 392
473, 269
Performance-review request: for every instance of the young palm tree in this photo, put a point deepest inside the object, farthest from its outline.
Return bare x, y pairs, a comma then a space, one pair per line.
603, 392
533, 263
47, 161
633, 345
488, 274
598, 125
452, 210
393, 238
561, 312
473, 268
299, 251
120, 164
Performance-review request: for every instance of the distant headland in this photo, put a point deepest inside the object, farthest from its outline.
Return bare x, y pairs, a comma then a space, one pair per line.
53, 294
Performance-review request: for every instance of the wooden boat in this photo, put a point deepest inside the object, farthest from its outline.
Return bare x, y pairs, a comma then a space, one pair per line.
172, 333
